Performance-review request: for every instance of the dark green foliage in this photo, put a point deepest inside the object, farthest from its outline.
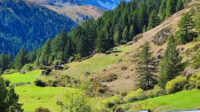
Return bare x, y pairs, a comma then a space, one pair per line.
170, 65
113, 27
154, 20
169, 7
6, 62
146, 68
186, 24
39, 83
42, 109
21, 59
101, 42
197, 23
125, 34
176, 85
76, 102
162, 10
29, 25
46, 50
8, 99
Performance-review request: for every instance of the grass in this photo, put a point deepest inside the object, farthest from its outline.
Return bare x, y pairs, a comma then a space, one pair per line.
33, 97
24, 78
99, 61
185, 100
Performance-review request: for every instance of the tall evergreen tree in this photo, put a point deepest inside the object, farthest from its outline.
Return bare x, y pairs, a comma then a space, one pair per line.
117, 38
154, 20
197, 23
170, 65
179, 5
146, 68
162, 10
101, 42
3, 95
171, 7
12, 101
20, 59
186, 24
131, 32
46, 51
57, 46
8, 99
125, 34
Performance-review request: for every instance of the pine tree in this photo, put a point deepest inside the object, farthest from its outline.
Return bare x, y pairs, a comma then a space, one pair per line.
186, 24
12, 100
21, 58
46, 51
68, 50
117, 38
146, 68
179, 5
131, 32
3, 95
101, 42
125, 34
197, 23
170, 65
171, 7
57, 46
162, 10
154, 20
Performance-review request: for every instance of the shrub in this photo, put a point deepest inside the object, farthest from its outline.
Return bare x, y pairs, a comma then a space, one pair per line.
194, 81
10, 71
27, 68
134, 96
40, 83
112, 101
176, 84
76, 102
42, 109
157, 91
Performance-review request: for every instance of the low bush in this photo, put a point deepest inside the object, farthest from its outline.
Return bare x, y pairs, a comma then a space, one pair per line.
112, 101
194, 81
42, 109
134, 96
157, 91
39, 83
176, 84
27, 68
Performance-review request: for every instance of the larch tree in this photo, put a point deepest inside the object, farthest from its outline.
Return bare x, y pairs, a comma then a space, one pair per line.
170, 65
146, 68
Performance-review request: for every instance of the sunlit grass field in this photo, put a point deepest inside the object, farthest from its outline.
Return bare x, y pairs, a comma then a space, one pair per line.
185, 100
98, 61
33, 97
24, 78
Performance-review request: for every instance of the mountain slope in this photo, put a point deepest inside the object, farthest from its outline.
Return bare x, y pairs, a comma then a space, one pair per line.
29, 25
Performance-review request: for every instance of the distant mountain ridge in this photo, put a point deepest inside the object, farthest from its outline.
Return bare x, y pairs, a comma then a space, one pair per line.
106, 4
29, 25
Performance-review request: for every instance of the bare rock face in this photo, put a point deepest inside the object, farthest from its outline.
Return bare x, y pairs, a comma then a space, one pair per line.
161, 37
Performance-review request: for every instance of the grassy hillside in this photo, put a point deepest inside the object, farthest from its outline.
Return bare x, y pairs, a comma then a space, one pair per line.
185, 100
97, 62
23, 78
32, 96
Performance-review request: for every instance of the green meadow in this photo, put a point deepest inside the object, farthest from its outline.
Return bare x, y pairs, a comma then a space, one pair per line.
184, 100
32, 96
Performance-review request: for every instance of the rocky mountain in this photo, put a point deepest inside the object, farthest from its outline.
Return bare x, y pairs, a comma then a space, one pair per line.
79, 10
29, 25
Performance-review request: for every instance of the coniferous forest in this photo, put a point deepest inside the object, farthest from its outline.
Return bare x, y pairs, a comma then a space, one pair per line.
135, 57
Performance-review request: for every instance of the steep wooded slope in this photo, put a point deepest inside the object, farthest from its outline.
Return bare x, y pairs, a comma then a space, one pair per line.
29, 25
